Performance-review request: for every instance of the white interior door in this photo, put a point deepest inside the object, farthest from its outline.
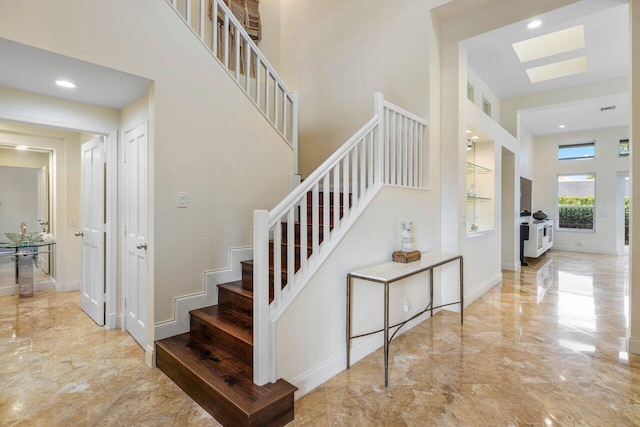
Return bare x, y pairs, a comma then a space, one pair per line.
92, 282
136, 183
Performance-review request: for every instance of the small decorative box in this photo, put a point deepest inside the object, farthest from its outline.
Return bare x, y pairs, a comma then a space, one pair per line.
405, 257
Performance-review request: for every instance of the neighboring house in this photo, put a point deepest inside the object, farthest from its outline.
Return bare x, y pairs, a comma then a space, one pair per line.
207, 139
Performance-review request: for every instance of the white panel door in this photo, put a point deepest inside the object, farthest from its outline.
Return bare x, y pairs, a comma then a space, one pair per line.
136, 184
92, 281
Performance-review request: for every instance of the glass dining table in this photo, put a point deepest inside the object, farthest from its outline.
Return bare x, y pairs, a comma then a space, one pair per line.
25, 256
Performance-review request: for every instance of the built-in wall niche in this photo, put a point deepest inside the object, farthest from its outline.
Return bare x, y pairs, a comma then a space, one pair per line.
480, 183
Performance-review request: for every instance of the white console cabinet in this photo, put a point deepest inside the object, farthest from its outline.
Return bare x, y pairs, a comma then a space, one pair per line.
540, 238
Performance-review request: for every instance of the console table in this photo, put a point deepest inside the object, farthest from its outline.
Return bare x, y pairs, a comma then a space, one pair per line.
389, 273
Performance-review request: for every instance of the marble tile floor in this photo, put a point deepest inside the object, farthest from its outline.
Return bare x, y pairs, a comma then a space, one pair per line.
546, 347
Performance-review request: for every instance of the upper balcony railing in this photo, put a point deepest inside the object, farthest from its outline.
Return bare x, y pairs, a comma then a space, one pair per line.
221, 32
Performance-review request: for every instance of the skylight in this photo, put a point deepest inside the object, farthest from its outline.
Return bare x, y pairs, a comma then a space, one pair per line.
558, 69
550, 44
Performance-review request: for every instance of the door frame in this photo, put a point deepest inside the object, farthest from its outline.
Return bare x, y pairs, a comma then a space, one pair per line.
111, 181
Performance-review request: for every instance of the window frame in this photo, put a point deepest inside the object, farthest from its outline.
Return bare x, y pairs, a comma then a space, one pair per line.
593, 208
573, 145
471, 91
487, 104
620, 142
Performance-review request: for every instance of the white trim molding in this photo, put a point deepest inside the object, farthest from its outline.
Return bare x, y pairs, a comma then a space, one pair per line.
634, 345
183, 305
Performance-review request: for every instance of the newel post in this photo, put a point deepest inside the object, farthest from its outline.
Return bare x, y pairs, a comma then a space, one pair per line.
378, 107
262, 340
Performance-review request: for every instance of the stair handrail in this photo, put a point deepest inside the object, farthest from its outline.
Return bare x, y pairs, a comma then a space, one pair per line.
388, 150
278, 104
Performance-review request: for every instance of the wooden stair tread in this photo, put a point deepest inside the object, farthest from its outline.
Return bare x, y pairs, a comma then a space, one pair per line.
231, 322
236, 287
225, 375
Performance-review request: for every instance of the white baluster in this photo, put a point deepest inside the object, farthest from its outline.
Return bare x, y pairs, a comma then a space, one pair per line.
371, 149
236, 46
345, 188
410, 156
421, 157
188, 12
315, 220
336, 195
202, 15
354, 176
277, 263
267, 77
326, 194
276, 89
363, 168
291, 249
405, 151
303, 234
392, 142
285, 112
258, 68
225, 47
214, 28
247, 66
174, 4
386, 146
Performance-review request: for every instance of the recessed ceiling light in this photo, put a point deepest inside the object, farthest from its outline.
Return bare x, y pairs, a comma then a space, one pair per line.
66, 84
474, 137
562, 126
22, 147
468, 131
534, 24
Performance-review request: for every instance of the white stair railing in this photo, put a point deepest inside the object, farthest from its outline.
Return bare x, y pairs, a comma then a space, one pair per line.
231, 45
388, 149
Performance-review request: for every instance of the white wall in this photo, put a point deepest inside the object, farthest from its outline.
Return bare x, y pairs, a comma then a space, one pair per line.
65, 183
526, 152
205, 136
312, 332
606, 166
337, 54
480, 90
511, 106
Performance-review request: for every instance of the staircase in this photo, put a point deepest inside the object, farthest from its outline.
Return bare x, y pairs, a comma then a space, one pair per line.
213, 363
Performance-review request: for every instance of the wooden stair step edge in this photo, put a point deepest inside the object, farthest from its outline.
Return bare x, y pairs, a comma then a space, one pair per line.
222, 385
230, 330
233, 296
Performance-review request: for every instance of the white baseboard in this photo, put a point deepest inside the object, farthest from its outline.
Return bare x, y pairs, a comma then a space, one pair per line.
634, 345
67, 287
183, 305
511, 267
150, 355
361, 348
477, 293
584, 250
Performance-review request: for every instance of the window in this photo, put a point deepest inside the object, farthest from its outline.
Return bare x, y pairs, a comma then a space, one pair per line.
585, 150
486, 106
470, 94
623, 148
576, 201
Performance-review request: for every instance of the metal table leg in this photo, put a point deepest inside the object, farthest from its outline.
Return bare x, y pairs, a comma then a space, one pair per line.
349, 280
386, 334
461, 292
431, 290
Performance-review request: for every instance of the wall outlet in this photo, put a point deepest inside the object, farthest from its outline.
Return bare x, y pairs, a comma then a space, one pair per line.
407, 305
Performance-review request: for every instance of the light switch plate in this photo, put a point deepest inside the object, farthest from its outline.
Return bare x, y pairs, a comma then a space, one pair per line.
183, 200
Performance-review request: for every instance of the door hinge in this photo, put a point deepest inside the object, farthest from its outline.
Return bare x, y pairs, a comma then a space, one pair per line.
104, 297
125, 302
125, 157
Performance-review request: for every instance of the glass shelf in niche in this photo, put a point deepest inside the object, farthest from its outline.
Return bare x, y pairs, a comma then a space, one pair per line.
472, 168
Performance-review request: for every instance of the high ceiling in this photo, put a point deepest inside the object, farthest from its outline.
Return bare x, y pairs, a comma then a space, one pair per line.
34, 70
606, 34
